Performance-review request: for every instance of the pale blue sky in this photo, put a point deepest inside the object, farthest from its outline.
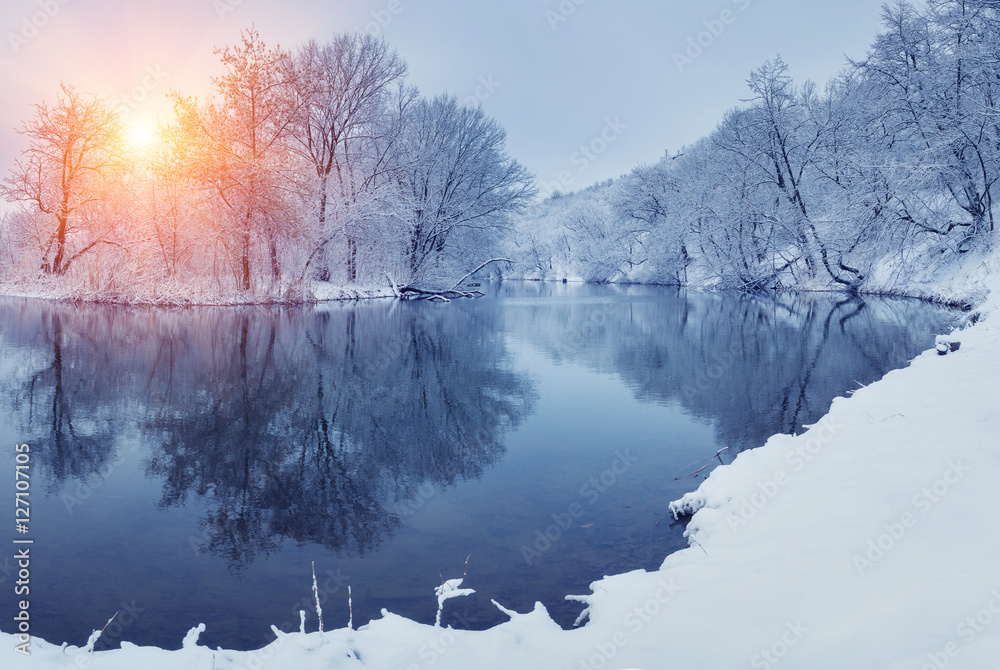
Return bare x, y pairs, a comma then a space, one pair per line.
558, 79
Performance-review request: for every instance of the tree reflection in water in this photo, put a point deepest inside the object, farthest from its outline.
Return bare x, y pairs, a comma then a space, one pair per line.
752, 365
320, 426
311, 425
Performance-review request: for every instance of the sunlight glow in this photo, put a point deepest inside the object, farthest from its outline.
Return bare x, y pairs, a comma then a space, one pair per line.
141, 136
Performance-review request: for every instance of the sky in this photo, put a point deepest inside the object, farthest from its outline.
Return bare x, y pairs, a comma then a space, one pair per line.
587, 89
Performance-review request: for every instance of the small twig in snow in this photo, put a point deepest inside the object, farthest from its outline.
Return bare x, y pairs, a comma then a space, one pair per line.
319, 610
450, 589
191, 639
96, 635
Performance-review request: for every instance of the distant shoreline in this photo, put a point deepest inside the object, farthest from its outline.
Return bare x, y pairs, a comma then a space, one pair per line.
334, 294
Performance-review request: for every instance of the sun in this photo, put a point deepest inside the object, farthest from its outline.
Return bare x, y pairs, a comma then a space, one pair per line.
141, 136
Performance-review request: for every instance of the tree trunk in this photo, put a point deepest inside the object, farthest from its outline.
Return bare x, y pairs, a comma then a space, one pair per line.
323, 263
275, 263
57, 264
245, 263
352, 261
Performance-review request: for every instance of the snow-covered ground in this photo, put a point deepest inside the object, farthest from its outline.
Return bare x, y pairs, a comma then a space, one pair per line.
182, 295
869, 541
325, 292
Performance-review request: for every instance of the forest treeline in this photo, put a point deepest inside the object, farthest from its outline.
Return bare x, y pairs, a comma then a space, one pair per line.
320, 163
323, 164
887, 170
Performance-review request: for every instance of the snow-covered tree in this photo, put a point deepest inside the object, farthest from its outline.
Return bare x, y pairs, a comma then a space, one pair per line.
935, 74
241, 152
460, 186
74, 156
354, 100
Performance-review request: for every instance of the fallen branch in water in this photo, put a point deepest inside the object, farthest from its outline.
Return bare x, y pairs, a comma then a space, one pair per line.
395, 289
492, 260
449, 294
718, 455
411, 293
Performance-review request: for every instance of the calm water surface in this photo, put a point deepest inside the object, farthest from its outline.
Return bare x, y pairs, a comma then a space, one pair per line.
190, 464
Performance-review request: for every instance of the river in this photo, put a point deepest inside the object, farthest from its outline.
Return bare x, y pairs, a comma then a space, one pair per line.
189, 465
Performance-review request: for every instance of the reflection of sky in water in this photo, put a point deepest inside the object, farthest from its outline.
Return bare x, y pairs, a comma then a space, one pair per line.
196, 461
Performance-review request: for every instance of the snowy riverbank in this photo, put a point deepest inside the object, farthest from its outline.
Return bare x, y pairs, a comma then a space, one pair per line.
179, 296
955, 280
867, 542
